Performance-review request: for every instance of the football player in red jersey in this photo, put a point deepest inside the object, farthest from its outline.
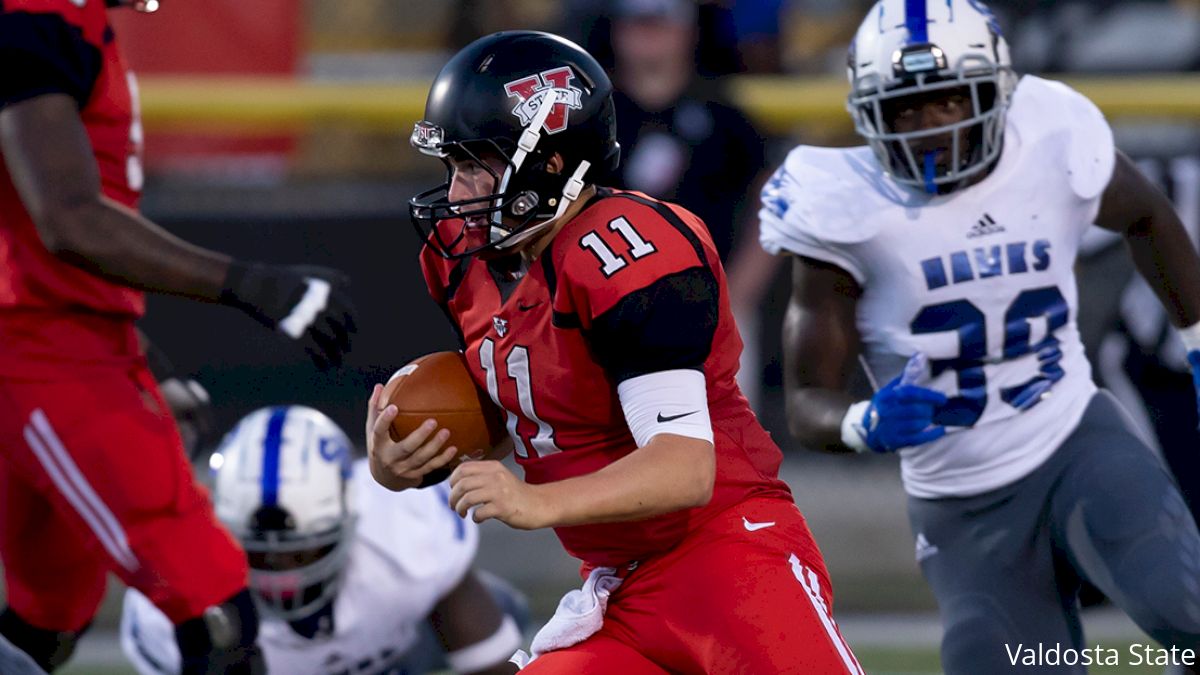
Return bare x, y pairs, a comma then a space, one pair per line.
93, 476
599, 321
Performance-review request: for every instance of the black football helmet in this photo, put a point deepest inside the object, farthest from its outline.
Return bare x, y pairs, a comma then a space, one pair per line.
522, 95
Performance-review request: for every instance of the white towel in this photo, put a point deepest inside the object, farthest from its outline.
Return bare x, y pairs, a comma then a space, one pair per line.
579, 615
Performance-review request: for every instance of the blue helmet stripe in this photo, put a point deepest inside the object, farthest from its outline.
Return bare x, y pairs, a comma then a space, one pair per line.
916, 19
271, 445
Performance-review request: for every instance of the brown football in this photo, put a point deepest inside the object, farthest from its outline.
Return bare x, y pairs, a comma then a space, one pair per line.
439, 385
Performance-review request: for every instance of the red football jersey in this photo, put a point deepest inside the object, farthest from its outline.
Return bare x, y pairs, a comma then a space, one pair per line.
629, 286
64, 46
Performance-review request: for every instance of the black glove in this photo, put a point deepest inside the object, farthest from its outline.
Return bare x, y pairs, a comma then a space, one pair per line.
187, 399
303, 302
190, 405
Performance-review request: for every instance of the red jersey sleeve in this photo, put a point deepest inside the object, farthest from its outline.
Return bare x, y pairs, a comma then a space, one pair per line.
50, 46
640, 279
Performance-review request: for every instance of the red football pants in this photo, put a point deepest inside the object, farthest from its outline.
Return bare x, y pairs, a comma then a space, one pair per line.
93, 479
747, 592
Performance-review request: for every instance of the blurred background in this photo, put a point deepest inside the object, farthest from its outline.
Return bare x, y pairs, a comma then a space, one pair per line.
278, 130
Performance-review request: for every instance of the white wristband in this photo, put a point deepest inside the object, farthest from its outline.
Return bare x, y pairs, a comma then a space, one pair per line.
1190, 336
853, 434
490, 651
312, 303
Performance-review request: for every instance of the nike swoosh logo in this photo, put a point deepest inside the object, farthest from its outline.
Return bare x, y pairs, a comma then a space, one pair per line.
526, 308
754, 527
670, 418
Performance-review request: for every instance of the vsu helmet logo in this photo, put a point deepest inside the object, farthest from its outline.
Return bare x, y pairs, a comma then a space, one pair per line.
531, 90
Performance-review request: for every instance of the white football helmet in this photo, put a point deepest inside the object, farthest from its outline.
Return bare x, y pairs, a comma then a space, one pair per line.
913, 47
281, 487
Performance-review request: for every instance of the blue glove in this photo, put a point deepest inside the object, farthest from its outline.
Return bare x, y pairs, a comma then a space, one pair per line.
1194, 359
900, 414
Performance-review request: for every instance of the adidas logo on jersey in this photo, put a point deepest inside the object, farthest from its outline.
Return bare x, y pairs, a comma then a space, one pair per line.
984, 227
924, 548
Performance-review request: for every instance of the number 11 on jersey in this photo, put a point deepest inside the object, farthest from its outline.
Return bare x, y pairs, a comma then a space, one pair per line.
611, 261
517, 365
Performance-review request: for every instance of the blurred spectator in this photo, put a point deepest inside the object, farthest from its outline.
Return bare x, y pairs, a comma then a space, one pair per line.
1046, 35
682, 142
718, 49
475, 18
815, 33
589, 23
756, 23
1107, 36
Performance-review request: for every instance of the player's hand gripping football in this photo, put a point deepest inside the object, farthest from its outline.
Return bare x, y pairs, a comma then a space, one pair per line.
490, 486
901, 413
399, 465
305, 303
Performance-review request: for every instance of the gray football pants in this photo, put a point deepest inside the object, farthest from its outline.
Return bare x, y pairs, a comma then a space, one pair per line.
1005, 565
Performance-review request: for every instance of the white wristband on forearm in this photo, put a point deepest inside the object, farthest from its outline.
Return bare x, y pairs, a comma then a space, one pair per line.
1190, 336
490, 651
853, 434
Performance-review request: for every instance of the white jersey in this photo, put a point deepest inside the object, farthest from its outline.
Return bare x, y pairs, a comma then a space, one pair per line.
410, 550
980, 280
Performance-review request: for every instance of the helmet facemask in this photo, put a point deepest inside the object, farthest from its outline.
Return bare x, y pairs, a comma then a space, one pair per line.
513, 211
292, 576
988, 87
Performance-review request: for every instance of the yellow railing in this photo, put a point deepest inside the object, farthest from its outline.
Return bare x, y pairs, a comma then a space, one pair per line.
778, 103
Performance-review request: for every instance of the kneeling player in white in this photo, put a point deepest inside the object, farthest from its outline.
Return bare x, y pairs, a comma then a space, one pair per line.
944, 252
344, 571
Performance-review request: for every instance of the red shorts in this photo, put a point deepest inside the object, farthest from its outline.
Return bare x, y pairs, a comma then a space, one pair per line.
747, 592
93, 479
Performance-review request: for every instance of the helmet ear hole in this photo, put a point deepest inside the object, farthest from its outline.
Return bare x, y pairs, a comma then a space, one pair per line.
524, 203
554, 163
